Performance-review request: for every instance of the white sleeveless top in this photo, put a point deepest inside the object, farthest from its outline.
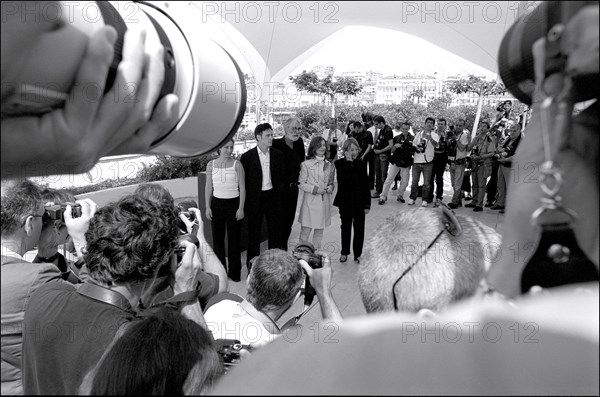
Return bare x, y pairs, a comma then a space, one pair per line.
225, 182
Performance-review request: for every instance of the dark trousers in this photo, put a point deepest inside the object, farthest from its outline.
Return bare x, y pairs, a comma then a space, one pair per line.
223, 219
371, 160
381, 170
352, 217
289, 200
270, 208
492, 185
437, 176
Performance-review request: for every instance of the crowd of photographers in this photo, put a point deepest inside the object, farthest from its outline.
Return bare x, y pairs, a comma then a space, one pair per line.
137, 301
101, 274
138, 266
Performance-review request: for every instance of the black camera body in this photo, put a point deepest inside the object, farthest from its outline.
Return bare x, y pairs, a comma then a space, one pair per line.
515, 56
56, 212
181, 250
229, 349
306, 251
182, 208
422, 146
451, 144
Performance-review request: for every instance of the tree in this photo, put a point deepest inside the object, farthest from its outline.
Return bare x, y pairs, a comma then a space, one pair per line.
329, 86
478, 86
417, 93
438, 106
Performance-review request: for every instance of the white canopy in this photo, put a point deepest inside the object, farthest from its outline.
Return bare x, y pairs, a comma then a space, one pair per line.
276, 37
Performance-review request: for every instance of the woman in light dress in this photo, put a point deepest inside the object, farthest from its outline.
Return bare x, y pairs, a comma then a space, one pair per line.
316, 181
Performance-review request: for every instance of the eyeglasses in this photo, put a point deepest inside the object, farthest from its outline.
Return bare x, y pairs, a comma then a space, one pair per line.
447, 228
297, 128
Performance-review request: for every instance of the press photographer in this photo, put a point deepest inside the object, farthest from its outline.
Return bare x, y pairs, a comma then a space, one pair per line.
274, 285
137, 79
482, 151
128, 241
23, 229
55, 234
211, 279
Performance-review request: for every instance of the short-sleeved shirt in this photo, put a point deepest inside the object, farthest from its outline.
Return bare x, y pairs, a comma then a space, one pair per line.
384, 138
64, 336
229, 319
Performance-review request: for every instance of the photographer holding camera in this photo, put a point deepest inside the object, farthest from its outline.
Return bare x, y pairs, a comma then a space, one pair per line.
211, 278
71, 139
274, 284
25, 225
482, 149
128, 243
55, 234
425, 143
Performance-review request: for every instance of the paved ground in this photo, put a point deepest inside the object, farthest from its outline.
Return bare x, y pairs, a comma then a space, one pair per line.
345, 287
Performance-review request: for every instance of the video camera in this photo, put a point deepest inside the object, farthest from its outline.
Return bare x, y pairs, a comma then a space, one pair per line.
56, 212
306, 251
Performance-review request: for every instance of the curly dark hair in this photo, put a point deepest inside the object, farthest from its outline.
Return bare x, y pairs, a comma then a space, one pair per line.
128, 240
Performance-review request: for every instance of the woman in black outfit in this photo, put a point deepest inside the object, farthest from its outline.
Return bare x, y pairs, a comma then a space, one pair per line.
353, 198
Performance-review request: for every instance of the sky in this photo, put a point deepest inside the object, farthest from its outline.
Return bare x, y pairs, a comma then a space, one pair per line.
423, 58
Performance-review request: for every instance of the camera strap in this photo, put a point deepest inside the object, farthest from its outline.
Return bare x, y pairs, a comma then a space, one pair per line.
105, 295
558, 259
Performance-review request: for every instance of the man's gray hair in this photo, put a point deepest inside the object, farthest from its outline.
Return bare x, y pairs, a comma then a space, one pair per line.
275, 279
290, 120
450, 270
20, 199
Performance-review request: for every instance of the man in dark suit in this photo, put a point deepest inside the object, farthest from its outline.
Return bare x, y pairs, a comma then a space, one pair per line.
264, 169
292, 147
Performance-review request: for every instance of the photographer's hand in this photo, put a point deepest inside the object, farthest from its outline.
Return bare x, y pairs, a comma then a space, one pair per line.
73, 138
320, 279
77, 227
207, 256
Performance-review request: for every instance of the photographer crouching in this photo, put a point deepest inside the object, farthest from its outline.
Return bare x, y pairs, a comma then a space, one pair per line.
274, 285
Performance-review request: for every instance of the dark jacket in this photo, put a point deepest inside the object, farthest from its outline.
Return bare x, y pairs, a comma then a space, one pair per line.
353, 185
253, 171
293, 157
403, 156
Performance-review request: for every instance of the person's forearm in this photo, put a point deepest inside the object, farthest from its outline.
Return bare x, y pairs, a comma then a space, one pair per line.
329, 309
242, 199
213, 265
192, 311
